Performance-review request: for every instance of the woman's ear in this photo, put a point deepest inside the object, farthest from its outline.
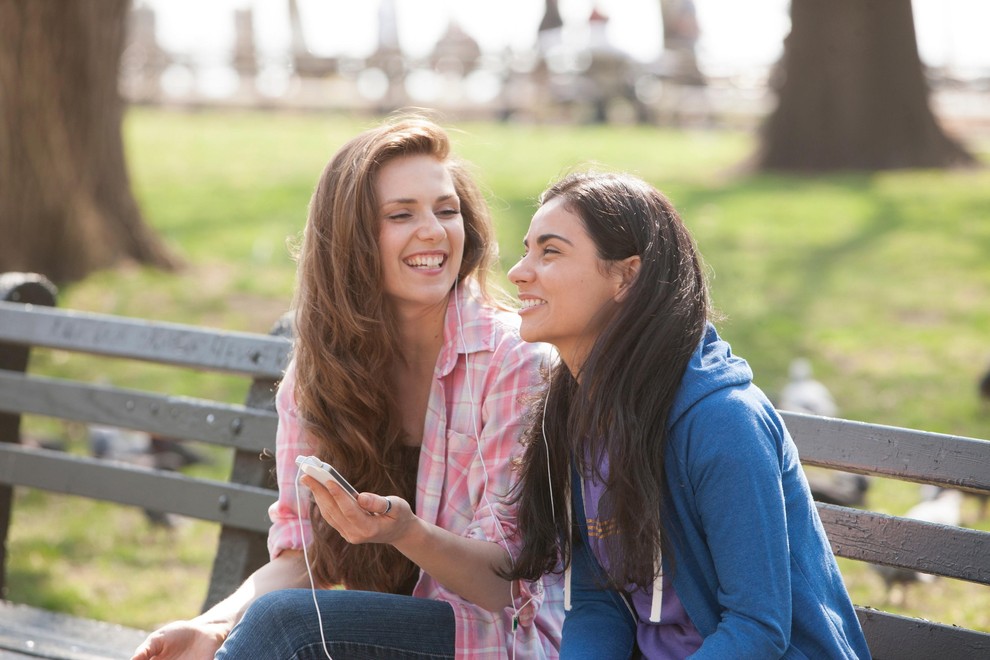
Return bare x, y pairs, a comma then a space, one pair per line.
627, 270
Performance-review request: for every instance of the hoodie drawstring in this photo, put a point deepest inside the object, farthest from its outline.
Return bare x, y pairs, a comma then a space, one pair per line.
657, 602
567, 571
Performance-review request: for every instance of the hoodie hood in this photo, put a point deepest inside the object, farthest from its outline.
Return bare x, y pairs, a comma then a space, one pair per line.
712, 367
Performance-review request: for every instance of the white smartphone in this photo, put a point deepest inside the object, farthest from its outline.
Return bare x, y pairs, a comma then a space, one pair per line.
323, 472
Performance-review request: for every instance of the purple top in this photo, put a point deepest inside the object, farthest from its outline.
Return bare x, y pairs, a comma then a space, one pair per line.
674, 636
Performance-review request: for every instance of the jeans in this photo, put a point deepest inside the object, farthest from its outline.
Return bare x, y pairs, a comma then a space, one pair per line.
282, 625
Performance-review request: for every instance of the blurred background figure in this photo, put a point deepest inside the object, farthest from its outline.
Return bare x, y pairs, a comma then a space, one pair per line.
804, 394
142, 449
938, 505
984, 393
984, 388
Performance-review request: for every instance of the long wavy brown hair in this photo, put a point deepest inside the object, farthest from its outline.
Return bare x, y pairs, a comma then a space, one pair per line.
346, 335
619, 406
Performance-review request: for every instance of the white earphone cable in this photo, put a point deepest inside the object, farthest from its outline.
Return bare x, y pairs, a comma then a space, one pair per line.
309, 570
491, 507
475, 416
546, 445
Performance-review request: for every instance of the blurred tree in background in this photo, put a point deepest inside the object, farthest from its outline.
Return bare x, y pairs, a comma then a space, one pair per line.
852, 93
680, 36
551, 16
66, 206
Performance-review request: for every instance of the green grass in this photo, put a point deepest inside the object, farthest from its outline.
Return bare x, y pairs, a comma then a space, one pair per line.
882, 280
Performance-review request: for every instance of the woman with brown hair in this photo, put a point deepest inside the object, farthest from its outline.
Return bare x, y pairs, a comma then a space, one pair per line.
411, 381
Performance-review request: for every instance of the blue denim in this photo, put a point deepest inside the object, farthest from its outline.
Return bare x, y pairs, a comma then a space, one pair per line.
282, 625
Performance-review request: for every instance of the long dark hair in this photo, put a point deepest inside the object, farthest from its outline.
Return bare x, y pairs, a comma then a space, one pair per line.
619, 407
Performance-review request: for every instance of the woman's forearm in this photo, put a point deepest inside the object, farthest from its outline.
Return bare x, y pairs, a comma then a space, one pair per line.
286, 571
465, 566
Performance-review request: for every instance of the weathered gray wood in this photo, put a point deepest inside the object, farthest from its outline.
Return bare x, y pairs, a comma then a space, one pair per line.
237, 505
168, 343
240, 506
36, 290
906, 454
878, 538
240, 553
186, 418
28, 632
894, 637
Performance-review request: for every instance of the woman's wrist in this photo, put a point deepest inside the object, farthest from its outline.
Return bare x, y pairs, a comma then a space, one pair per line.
218, 624
415, 534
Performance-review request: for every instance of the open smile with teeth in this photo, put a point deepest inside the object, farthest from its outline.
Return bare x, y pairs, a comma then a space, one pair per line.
532, 302
426, 261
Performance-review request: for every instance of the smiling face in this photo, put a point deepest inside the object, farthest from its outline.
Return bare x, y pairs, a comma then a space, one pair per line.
422, 232
568, 293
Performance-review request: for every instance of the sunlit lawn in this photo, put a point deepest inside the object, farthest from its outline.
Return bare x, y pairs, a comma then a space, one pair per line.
882, 280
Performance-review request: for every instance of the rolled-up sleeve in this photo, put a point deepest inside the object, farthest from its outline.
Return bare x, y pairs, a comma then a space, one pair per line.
291, 528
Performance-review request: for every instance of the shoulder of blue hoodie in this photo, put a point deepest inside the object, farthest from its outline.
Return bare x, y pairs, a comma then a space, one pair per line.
739, 506
725, 515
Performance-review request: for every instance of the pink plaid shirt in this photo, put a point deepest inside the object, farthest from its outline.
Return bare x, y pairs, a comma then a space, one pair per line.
482, 375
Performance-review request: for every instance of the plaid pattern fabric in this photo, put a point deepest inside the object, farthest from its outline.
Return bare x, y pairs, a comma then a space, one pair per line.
483, 375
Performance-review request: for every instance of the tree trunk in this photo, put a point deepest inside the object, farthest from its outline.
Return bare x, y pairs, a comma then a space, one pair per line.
680, 38
551, 16
852, 93
66, 206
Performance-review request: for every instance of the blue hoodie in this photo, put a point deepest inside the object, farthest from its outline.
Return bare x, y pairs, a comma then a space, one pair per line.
753, 570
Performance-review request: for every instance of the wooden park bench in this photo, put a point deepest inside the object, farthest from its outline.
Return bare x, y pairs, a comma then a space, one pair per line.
954, 552
27, 319
240, 504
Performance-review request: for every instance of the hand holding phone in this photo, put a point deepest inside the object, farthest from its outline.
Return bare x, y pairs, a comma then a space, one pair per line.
323, 472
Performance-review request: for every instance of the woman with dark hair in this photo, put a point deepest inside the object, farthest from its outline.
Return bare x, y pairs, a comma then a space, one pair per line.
410, 380
694, 532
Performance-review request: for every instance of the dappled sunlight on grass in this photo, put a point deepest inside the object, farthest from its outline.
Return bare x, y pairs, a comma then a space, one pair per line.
106, 561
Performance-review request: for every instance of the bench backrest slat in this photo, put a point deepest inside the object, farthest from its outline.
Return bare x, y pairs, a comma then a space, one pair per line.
175, 417
878, 538
900, 453
893, 636
155, 341
236, 505
955, 552
239, 505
